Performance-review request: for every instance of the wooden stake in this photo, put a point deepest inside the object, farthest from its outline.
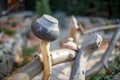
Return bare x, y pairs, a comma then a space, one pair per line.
44, 46
73, 26
89, 45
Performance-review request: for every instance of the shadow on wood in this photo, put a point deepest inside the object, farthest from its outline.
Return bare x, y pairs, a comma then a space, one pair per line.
36, 66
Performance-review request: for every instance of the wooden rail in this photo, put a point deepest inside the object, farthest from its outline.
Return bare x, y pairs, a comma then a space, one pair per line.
58, 56
89, 46
34, 67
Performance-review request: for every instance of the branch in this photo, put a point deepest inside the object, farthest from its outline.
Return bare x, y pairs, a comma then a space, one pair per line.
34, 67
103, 62
100, 28
89, 46
111, 47
73, 26
62, 55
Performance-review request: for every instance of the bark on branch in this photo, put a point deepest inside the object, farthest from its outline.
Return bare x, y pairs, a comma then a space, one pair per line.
103, 62
89, 46
100, 28
62, 55
35, 66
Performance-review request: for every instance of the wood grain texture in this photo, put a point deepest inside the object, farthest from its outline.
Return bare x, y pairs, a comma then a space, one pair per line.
34, 67
103, 63
79, 67
44, 46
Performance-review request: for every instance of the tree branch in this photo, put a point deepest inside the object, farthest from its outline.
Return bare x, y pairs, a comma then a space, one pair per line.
34, 67
89, 46
100, 28
103, 62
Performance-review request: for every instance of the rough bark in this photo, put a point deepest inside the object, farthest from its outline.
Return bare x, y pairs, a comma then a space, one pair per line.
89, 46
103, 63
34, 67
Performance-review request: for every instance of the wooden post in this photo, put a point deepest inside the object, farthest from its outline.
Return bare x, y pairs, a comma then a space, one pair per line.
73, 26
35, 67
45, 45
90, 45
46, 29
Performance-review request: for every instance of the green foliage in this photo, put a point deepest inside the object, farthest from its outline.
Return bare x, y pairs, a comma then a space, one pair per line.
93, 20
110, 72
29, 4
10, 17
101, 76
19, 65
28, 51
75, 6
107, 30
107, 23
107, 8
42, 7
8, 32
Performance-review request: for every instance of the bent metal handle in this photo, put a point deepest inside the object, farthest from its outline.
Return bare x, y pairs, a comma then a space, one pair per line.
78, 71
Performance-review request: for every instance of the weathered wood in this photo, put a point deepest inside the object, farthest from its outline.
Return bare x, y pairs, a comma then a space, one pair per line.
46, 29
9, 50
73, 26
103, 62
100, 28
81, 29
111, 47
34, 67
45, 45
19, 76
78, 71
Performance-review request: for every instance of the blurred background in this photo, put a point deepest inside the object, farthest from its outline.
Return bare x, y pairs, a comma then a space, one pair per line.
104, 8
18, 45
